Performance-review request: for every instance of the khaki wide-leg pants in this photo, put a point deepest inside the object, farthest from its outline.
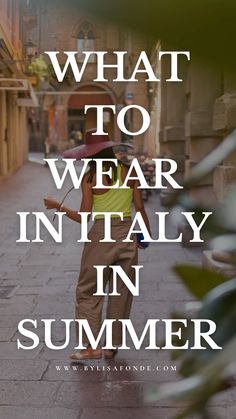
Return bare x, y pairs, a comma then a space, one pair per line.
89, 306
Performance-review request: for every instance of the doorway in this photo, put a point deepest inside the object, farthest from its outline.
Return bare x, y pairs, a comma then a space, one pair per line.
78, 122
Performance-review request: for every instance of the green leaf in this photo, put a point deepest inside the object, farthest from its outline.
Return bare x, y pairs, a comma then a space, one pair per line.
199, 280
209, 379
219, 305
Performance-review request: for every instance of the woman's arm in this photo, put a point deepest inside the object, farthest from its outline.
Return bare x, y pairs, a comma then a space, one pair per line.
86, 203
139, 205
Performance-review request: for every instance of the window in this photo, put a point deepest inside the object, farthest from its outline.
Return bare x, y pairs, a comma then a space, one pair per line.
85, 41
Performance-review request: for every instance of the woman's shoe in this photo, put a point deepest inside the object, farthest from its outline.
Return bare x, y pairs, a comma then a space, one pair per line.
88, 353
110, 353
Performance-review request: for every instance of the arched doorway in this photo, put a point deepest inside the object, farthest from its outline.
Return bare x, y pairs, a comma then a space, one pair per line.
79, 122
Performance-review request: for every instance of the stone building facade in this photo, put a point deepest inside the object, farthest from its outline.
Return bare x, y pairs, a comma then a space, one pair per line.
62, 27
191, 119
15, 92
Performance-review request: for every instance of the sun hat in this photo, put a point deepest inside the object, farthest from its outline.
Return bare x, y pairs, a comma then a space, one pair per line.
93, 144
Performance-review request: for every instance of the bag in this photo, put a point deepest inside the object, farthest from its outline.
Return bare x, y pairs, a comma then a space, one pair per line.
140, 237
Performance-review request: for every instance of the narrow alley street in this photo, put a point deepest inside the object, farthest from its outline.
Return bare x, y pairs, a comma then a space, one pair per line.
41, 280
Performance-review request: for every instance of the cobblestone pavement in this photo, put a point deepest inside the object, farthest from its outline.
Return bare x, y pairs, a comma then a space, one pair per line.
41, 383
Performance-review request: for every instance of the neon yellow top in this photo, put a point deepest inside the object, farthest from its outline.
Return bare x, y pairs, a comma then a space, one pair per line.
114, 200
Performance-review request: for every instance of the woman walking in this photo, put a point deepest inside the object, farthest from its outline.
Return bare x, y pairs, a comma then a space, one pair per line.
95, 253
